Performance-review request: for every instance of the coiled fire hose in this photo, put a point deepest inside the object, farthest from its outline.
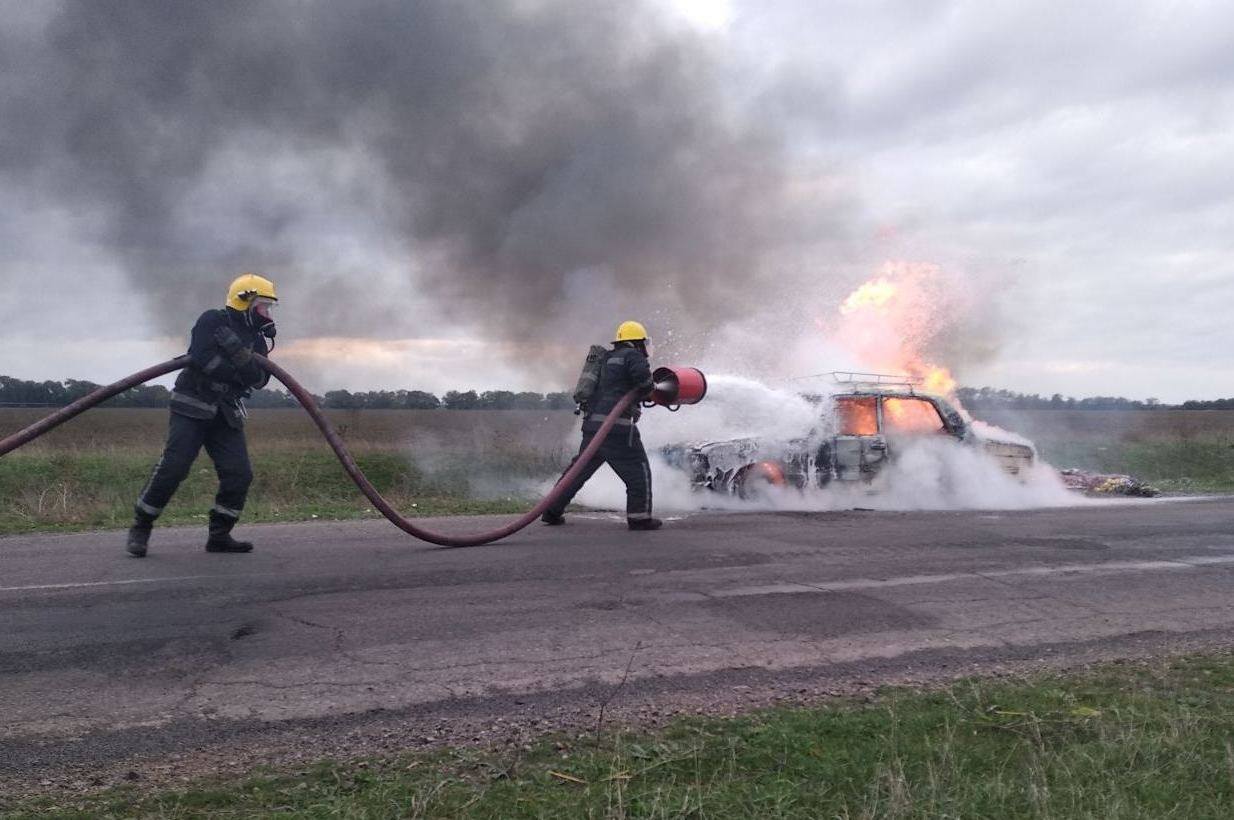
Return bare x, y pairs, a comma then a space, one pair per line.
25, 436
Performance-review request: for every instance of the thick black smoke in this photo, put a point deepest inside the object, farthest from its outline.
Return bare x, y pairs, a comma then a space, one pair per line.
545, 163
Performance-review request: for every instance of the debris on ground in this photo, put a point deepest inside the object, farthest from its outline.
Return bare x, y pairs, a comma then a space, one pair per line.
1107, 484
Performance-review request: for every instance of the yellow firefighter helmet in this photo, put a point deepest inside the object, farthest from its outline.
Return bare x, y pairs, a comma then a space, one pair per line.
246, 288
630, 332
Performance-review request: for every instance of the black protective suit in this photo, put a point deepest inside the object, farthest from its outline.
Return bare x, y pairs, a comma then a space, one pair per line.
207, 409
625, 368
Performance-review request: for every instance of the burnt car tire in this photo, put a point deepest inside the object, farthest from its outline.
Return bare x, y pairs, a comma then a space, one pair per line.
755, 481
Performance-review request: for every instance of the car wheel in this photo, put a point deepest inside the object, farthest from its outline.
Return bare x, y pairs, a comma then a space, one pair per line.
756, 480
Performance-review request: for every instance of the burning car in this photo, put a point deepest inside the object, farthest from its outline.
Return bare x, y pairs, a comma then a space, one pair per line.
861, 429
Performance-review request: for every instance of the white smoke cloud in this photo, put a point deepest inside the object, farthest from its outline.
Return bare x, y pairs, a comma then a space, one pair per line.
934, 473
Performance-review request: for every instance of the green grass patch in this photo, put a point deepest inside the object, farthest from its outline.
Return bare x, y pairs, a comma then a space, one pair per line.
87, 489
1125, 741
1201, 464
87, 474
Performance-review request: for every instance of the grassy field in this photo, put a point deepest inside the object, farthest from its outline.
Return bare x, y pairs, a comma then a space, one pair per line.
1176, 450
87, 473
1143, 740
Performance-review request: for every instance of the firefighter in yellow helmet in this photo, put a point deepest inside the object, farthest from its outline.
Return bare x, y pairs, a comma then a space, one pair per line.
207, 410
626, 367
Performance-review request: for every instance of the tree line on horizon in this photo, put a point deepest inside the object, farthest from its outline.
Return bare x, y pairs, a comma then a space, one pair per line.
25, 393
989, 398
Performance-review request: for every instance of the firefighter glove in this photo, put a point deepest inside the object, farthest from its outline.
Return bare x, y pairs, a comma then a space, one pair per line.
233, 346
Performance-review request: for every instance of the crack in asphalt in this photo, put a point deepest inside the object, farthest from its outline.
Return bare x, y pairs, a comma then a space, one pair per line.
265, 684
351, 656
338, 642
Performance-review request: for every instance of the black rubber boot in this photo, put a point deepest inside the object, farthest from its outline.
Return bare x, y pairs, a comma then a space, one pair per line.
139, 534
220, 539
553, 519
644, 523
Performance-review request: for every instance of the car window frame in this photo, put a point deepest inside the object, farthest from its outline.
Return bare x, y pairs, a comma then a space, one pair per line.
878, 412
946, 427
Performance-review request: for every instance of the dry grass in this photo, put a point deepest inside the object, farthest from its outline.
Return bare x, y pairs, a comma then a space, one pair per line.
88, 472
1117, 425
140, 429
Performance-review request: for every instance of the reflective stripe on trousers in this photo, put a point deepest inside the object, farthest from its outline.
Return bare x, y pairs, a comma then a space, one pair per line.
226, 447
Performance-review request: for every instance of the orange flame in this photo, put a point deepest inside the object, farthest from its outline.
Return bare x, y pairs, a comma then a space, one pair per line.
887, 321
873, 295
910, 416
939, 380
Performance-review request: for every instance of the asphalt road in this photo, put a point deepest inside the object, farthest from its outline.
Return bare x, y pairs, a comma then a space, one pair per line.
336, 638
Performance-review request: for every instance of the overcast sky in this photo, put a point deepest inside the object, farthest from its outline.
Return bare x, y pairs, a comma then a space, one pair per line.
464, 198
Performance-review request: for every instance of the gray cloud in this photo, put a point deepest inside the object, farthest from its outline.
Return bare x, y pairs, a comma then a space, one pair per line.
532, 166
1072, 159
506, 148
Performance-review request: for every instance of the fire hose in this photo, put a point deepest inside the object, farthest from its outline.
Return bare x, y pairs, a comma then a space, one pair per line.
28, 434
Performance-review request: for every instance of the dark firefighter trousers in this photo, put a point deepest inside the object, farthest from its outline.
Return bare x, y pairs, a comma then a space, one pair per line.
227, 449
623, 451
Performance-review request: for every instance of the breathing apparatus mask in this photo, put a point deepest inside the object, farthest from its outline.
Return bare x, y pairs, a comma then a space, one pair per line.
643, 346
261, 315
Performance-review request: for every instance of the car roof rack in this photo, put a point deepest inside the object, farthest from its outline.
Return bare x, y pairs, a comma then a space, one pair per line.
868, 382
874, 381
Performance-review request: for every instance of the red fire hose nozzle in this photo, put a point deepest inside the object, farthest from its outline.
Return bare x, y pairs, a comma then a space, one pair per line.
676, 386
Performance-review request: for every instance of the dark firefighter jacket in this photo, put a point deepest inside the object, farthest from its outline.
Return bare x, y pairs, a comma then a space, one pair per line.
211, 383
624, 369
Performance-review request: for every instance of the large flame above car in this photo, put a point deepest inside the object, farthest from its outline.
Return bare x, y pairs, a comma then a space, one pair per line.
887, 322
